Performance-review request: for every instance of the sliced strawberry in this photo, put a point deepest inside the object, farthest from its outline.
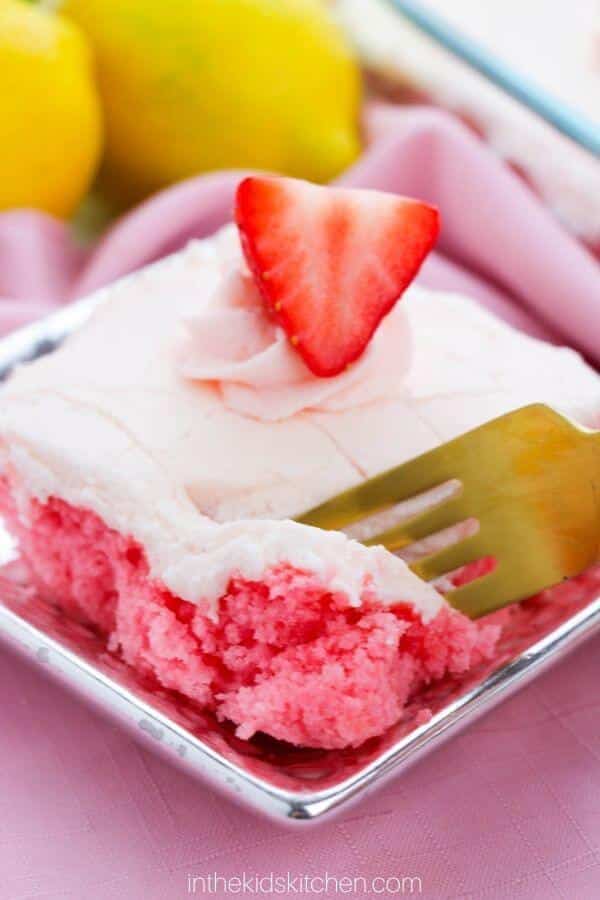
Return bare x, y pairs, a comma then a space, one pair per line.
329, 262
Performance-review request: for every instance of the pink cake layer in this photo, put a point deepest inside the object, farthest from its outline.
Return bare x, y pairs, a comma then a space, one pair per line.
285, 657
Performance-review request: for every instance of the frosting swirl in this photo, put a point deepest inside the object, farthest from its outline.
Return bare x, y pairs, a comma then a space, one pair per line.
234, 344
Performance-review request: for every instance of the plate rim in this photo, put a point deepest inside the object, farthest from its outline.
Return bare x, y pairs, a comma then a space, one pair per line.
281, 804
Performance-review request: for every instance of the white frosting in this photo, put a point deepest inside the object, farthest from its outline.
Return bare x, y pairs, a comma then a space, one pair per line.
233, 343
108, 422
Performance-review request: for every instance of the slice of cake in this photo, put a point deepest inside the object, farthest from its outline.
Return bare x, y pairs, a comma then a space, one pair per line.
152, 465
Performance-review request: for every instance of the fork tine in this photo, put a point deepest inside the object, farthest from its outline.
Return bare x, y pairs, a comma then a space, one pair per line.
484, 595
441, 516
382, 491
450, 558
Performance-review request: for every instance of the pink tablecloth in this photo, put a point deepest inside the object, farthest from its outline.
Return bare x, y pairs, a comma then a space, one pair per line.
509, 809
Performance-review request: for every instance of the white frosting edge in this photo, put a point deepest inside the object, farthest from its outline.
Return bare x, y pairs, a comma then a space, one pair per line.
195, 558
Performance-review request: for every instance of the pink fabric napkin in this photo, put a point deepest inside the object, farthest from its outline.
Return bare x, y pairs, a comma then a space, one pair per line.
498, 241
508, 809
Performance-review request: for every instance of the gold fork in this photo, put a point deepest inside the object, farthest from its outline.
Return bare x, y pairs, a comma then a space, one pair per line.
523, 489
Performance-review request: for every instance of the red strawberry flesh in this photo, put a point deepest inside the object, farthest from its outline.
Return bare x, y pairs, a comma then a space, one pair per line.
330, 263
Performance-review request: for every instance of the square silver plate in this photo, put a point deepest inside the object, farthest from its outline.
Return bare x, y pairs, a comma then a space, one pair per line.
288, 784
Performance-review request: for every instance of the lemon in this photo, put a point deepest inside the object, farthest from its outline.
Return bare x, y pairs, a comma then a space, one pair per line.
199, 85
50, 128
